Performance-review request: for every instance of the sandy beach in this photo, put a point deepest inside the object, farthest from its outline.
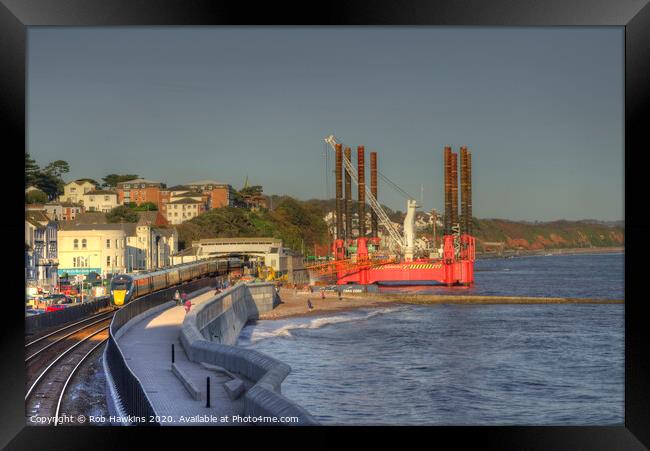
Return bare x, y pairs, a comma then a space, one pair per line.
294, 303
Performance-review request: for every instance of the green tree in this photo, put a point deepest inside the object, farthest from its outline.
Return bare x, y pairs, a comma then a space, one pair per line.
57, 168
111, 180
121, 214
36, 197
50, 184
146, 206
31, 170
251, 191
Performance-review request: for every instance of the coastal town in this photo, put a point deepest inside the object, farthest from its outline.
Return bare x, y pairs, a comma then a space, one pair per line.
80, 233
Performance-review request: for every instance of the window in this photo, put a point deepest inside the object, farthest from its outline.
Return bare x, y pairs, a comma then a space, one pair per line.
83, 243
108, 244
117, 244
75, 244
108, 260
74, 262
73, 189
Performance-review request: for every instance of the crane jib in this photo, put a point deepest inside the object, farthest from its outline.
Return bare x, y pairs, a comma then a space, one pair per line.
383, 217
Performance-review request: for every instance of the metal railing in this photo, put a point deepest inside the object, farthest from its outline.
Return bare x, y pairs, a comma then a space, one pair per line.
132, 397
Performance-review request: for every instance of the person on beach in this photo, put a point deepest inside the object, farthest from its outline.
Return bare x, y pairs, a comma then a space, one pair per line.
177, 298
183, 298
340, 297
188, 305
311, 289
309, 306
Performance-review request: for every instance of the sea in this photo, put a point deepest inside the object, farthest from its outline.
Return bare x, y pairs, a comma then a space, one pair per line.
449, 364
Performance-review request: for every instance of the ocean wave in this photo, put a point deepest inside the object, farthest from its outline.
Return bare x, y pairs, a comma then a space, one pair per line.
282, 328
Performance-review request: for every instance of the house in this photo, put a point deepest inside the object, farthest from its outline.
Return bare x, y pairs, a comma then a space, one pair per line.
41, 249
63, 211
149, 244
139, 191
73, 191
220, 194
86, 248
180, 192
100, 200
184, 209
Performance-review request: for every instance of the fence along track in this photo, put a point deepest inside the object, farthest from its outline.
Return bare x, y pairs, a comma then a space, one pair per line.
61, 339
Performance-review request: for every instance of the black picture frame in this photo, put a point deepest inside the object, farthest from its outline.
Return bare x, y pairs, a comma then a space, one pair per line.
634, 15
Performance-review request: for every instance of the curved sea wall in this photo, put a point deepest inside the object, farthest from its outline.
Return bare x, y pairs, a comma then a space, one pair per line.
208, 335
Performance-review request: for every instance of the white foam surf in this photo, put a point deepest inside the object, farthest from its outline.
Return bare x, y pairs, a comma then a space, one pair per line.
282, 328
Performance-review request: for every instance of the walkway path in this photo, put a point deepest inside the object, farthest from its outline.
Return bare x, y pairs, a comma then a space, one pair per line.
147, 350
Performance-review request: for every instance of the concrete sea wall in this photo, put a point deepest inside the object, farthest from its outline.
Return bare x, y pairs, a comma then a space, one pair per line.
208, 335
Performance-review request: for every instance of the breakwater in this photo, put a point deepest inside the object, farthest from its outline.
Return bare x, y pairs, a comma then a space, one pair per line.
208, 335
478, 299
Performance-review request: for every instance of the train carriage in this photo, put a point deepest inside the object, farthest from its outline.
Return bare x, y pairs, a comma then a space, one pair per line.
126, 287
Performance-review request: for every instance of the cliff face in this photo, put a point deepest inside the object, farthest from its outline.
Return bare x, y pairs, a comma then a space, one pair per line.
547, 235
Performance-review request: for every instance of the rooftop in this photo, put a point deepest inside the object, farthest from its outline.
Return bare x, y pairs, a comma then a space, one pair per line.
128, 228
101, 191
186, 252
186, 200
37, 218
80, 182
238, 240
135, 181
207, 182
179, 188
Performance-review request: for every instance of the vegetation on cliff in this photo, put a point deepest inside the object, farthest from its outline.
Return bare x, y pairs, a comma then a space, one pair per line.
301, 225
298, 224
548, 235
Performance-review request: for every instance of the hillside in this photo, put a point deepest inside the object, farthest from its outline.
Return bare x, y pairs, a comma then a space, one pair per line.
296, 223
548, 235
300, 225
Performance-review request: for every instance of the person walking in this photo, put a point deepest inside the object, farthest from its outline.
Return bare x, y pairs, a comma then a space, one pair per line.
340, 297
322, 294
309, 306
183, 298
188, 305
177, 298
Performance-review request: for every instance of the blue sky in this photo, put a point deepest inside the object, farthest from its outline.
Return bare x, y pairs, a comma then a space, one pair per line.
541, 109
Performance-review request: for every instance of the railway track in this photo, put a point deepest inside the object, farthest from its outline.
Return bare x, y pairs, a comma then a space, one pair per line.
52, 360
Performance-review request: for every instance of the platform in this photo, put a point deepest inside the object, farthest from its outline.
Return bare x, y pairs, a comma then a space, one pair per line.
146, 346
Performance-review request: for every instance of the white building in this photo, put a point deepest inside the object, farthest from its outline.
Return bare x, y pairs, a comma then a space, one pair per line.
73, 191
86, 248
99, 200
146, 245
184, 209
